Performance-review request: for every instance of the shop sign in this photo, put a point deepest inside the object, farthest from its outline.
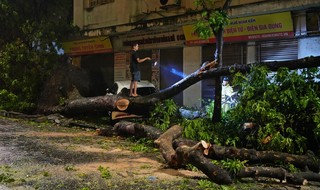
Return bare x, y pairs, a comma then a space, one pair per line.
277, 25
151, 39
88, 46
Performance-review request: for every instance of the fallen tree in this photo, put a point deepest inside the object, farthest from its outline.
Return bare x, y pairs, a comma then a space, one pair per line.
178, 152
143, 105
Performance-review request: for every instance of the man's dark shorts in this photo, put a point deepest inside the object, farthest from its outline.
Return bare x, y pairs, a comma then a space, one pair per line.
136, 76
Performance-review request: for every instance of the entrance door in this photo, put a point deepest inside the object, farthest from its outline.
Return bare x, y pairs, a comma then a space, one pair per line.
100, 71
171, 70
145, 67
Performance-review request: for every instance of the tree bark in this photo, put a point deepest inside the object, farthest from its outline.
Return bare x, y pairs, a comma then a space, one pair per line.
271, 157
300, 178
216, 116
296, 178
193, 155
216, 152
164, 142
138, 130
269, 172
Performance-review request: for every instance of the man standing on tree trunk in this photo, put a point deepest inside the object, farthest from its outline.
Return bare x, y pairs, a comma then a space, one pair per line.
135, 70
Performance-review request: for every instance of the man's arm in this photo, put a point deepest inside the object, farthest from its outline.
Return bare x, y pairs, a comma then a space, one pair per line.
143, 60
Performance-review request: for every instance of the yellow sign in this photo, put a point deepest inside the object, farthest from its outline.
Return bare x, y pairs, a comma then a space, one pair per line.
277, 25
88, 46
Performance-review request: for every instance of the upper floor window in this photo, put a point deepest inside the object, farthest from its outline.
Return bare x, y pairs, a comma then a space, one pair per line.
93, 3
313, 22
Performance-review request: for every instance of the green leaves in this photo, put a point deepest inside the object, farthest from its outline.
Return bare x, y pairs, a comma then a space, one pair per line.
163, 114
211, 21
28, 54
203, 29
198, 129
284, 106
218, 20
233, 166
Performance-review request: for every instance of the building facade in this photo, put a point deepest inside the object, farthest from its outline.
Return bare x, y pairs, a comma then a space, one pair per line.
259, 30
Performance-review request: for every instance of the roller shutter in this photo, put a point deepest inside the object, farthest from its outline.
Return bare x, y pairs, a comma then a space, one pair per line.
278, 50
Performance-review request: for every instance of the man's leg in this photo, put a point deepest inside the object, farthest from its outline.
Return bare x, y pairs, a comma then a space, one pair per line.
131, 88
135, 84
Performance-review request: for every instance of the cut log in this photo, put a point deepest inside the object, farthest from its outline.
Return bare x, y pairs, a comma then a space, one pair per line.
302, 178
183, 155
296, 180
179, 152
138, 130
269, 172
122, 104
164, 142
253, 156
193, 155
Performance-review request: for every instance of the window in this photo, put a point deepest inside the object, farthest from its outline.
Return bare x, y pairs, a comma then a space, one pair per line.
313, 22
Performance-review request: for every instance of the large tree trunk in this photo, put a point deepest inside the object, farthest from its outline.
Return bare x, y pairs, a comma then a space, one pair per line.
254, 157
143, 105
164, 142
216, 152
193, 155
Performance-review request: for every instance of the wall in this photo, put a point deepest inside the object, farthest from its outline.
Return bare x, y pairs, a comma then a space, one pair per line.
251, 53
78, 11
192, 60
123, 12
271, 6
309, 47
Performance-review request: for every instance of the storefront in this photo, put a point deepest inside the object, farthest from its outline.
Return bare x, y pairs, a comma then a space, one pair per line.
248, 40
94, 55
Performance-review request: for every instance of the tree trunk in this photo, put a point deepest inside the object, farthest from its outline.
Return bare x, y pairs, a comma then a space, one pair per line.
164, 142
253, 172
216, 152
193, 155
216, 116
254, 157
302, 177
138, 130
